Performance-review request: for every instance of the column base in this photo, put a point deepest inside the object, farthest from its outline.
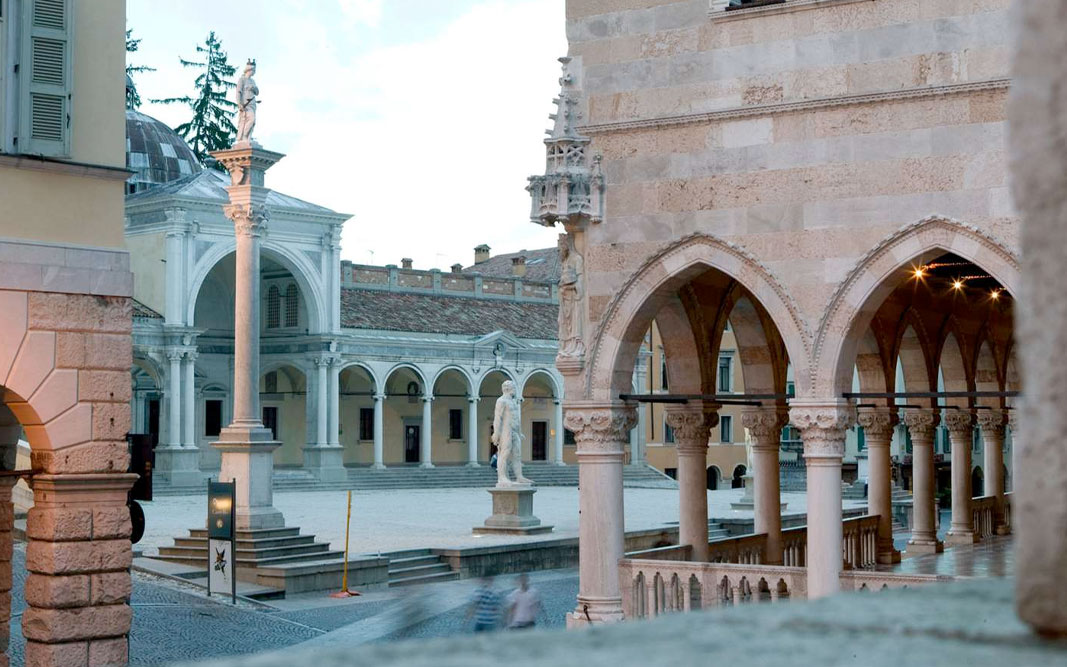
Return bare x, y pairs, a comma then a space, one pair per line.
325, 462
1003, 529
178, 466
888, 557
925, 547
426, 465
377, 466
248, 457
595, 612
473, 464
961, 538
258, 518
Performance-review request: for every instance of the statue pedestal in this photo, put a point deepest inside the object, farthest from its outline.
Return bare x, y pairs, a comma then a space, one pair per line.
512, 513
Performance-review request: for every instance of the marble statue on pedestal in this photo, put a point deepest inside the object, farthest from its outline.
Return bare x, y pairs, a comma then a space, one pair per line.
247, 91
507, 436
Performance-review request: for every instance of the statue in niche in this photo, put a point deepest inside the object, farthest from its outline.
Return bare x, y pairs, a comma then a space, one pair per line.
247, 91
570, 298
507, 436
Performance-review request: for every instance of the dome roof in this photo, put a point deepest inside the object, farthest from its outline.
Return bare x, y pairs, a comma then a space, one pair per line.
155, 152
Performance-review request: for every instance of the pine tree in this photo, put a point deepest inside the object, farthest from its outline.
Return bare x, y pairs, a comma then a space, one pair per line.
133, 98
211, 128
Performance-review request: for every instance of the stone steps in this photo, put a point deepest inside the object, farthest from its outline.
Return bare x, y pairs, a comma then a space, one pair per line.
411, 568
254, 549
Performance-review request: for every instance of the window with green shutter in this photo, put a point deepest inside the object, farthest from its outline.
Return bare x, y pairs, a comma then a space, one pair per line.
45, 73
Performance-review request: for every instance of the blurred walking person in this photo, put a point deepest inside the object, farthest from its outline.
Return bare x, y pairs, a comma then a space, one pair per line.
484, 606
523, 605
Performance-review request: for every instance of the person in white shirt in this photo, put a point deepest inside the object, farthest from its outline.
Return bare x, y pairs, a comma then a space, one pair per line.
523, 605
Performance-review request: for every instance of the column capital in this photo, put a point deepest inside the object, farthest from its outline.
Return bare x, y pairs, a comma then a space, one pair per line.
320, 361
765, 425
378, 397
921, 423
191, 354
878, 423
822, 427
992, 421
427, 398
473, 399
1013, 420
958, 421
600, 429
691, 424
248, 219
175, 355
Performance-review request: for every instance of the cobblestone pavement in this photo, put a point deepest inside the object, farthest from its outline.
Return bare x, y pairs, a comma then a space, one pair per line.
173, 621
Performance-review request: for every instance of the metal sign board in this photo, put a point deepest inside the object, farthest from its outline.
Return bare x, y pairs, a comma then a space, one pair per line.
221, 544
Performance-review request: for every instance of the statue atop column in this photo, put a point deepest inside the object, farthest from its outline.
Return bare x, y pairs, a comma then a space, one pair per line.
247, 91
507, 436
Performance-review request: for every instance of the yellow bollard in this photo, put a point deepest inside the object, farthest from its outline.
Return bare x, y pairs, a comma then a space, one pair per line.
344, 593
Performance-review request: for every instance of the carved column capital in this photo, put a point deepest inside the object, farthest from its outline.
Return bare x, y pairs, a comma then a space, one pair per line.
958, 422
992, 421
691, 425
248, 219
175, 355
191, 355
1013, 420
600, 430
877, 424
765, 426
822, 427
921, 423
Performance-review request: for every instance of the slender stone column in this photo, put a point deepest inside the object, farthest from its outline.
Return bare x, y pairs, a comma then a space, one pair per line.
7, 520
175, 239
472, 431
960, 425
765, 427
601, 432
379, 404
247, 447
557, 454
174, 399
333, 393
691, 424
321, 405
822, 427
992, 423
189, 400
878, 426
426, 433
921, 426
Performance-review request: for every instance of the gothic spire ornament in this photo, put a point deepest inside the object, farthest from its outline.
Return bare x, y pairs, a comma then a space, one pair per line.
572, 187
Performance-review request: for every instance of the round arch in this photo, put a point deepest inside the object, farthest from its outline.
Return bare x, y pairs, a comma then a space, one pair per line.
151, 369
418, 372
297, 264
636, 303
866, 286
503, 371
540, 372
347, 364
714, 478
457, 369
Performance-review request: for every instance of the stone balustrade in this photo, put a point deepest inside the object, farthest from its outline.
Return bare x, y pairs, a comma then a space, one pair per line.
744, 549
860, 541
983, 516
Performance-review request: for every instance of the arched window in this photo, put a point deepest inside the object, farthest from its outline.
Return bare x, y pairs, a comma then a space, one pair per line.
292, 299
274, 306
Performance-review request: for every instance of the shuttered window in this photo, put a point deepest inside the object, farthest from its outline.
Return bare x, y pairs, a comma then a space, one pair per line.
45, 90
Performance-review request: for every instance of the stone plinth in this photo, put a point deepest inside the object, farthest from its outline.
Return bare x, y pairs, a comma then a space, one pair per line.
748, 499
512, 513
248, 458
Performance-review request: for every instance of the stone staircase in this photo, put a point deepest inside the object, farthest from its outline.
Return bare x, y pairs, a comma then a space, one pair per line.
716, 531
439, 477
417, 566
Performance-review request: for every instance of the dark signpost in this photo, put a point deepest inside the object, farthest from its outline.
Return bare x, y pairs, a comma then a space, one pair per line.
221, 539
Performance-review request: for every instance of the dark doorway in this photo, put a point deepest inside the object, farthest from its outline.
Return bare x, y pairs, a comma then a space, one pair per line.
977, 483
153, 420
738, 482
270, 420
713, 478
411, 443
540, 441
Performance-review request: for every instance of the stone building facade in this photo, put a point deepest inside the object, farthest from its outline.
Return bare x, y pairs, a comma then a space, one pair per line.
65, 330
829, 177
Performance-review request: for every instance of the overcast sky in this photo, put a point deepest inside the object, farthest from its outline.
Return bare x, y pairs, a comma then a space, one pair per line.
421, 118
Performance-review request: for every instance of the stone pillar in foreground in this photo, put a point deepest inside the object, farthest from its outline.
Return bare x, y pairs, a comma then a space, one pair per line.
691, 424
992, 423
960, 425
1038, 119
189, 439
247, 447
877, 424
7, 524
78, 558
922, 425
601, 432
472, 432
822, 426
765, 428
557, 452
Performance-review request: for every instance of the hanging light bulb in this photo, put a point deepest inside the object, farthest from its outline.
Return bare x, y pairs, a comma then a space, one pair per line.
957, 284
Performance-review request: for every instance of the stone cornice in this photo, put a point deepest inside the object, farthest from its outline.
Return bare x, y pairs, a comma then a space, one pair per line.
801, 105
39, 163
